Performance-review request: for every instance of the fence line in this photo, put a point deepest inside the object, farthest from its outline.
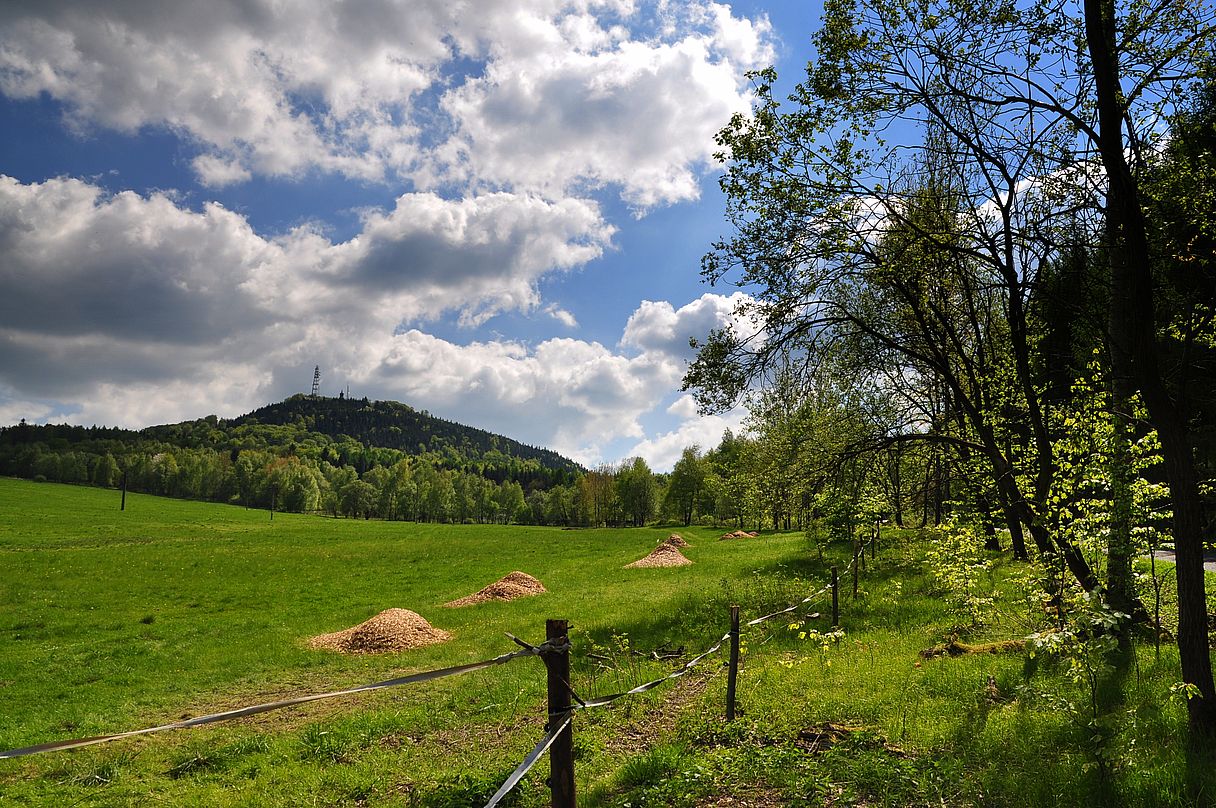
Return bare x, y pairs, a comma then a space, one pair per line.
560, 720
690, 664
228, 715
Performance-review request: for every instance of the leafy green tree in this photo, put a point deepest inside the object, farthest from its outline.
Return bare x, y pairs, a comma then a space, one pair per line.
685, 484
598, 496
297, 486
560, 505
164, 470
833, 221
398, 491
106, 471
441, 497
251, 481
636, 491
509, 502
357, 499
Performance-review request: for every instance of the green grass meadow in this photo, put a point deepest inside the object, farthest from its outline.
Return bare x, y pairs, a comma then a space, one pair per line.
112, 621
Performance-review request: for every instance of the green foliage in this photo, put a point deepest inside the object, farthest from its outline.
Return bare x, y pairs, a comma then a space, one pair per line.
1087, 647
684, 486
959, 569
636, 491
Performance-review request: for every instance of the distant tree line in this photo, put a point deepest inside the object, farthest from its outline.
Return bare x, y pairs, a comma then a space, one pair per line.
290, 468
297, 456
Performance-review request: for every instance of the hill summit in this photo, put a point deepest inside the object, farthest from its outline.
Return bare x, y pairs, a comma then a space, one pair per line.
393, 425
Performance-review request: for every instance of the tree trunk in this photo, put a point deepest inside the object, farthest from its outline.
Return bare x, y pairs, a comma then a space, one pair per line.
984, 505
897, 485
1016, 537
1133, 328
1120, 585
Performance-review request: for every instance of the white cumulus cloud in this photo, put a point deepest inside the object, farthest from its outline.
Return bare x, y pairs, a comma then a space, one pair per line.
527, 95
176, 313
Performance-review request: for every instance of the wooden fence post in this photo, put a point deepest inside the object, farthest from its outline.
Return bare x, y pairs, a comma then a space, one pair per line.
733, 674
835, 599
874, 539
855, 570
561, 753
123, 506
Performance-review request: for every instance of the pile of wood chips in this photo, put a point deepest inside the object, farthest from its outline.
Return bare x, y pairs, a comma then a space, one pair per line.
676, 540
665, 555
509, 587
739, 534
391, 630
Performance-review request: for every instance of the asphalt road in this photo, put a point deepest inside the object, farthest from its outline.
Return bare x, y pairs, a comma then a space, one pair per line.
1209, 558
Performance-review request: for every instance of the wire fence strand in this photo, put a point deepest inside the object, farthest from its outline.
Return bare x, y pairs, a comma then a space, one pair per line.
642, 688
555, 729
228, 715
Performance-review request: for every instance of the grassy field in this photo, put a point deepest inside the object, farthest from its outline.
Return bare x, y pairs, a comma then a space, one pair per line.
113, 620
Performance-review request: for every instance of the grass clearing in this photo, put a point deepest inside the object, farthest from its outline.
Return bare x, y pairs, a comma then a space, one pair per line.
115, 620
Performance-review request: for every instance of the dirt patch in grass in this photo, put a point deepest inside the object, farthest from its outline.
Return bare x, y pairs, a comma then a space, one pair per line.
509, 587
391, 630
752, 796
665, 555
652, 723
955, 648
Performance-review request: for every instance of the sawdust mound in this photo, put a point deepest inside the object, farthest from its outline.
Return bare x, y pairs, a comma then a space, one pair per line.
509, 587
676, 540
665, 555
391, 630
739, 534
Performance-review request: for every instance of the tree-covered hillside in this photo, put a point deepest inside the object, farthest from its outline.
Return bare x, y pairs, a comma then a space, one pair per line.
392, 425
303, 454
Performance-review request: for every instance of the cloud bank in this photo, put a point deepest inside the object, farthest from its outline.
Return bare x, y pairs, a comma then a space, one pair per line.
134, 309
510, 94
502, 128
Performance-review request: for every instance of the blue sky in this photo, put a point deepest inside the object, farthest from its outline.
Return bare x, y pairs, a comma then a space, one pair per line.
494, 210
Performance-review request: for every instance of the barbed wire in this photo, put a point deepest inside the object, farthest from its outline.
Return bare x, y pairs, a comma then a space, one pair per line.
425, 676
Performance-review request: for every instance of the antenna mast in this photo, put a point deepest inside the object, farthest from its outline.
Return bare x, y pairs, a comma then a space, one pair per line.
316, 380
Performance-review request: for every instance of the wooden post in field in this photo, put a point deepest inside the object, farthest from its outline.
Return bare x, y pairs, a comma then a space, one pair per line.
123, 506
273, 494
874, 539
859, 550
855, 570
835, 599
733, 674
561, 753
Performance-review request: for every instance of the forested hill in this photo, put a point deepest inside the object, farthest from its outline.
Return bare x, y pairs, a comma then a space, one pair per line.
392, 425
301, 454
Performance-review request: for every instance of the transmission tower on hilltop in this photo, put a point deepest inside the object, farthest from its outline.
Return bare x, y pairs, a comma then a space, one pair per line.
316, 380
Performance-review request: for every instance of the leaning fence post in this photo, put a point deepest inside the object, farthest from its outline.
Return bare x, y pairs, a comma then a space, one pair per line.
835, 599
123, 506
854, 570
733, 674
561, 753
